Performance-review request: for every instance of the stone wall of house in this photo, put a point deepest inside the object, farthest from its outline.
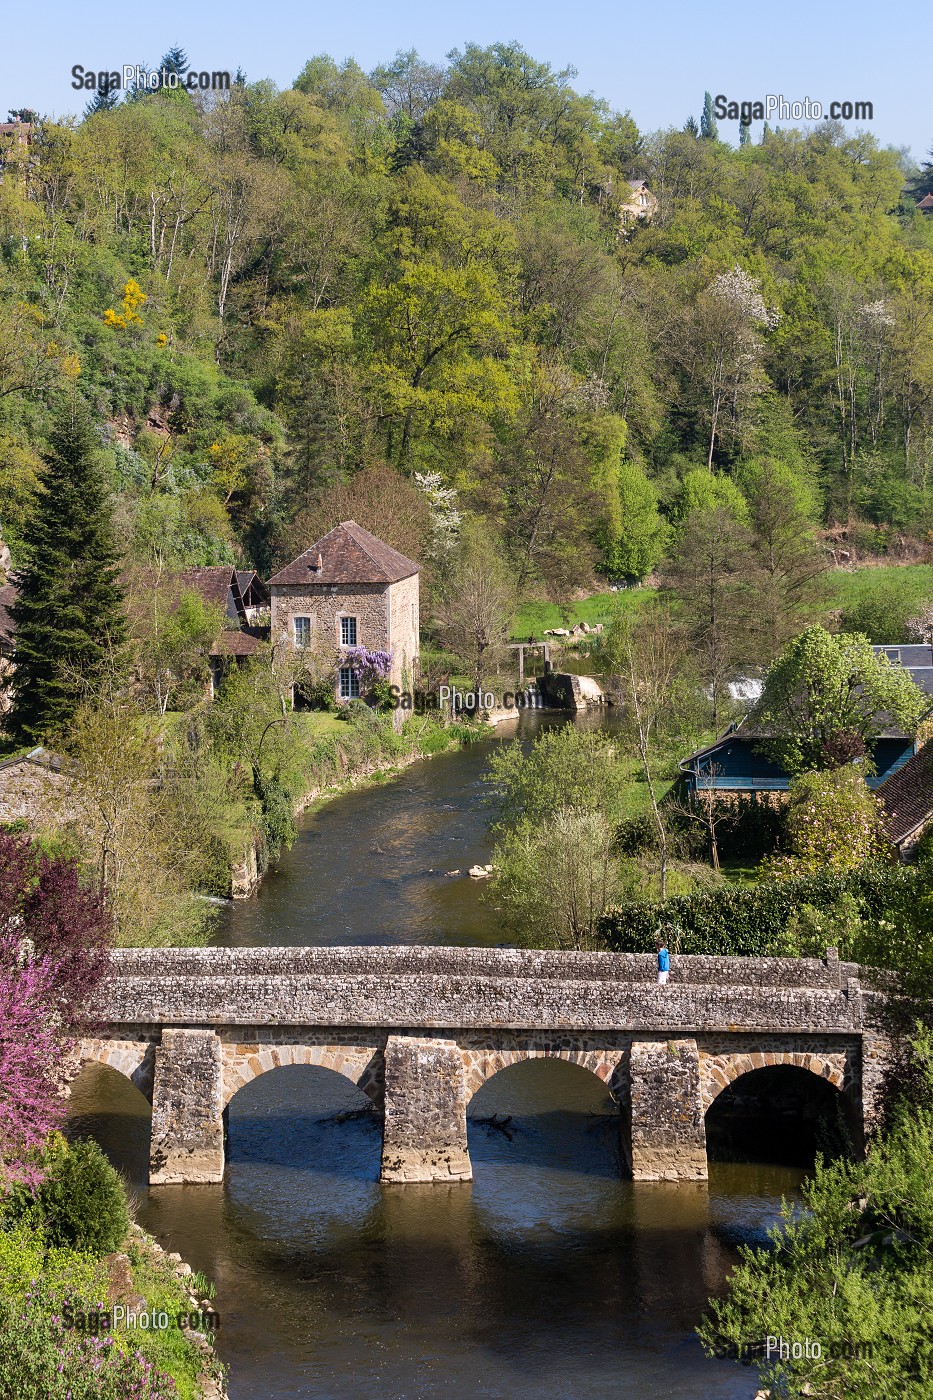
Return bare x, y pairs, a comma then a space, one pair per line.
387, 617
326, 604
31, 792
404, 630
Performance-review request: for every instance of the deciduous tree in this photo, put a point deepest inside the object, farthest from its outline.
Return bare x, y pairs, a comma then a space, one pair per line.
828, 698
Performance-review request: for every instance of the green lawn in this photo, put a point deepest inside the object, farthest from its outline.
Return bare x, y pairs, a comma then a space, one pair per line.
739, 872
534, 617
317, 724
843, 588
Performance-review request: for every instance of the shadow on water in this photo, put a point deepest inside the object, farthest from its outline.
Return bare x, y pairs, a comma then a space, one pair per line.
547, 1276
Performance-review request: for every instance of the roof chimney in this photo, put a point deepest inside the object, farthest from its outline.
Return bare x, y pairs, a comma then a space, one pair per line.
316, 568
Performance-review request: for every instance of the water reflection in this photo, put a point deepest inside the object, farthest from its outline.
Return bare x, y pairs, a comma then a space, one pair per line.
547, 1276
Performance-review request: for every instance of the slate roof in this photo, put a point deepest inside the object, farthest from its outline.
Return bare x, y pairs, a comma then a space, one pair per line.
7, 629
915, 657
348, 554
908, 796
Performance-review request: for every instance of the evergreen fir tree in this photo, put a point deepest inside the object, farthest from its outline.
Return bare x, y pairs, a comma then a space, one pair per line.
708, 127
104, 100
68, 614
175, 62
745, 133
922, 183
690, 127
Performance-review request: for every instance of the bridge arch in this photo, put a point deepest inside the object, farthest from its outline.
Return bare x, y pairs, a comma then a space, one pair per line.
481, 1065
134, 1059
243, 1062
719, 1071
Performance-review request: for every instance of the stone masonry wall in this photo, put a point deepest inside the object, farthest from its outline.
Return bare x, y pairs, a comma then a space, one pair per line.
440, 989
383, 615
32, 792
404, 625
420, 1030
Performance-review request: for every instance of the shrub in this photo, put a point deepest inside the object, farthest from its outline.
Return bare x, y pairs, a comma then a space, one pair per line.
832, 822
753, 921
278, 815
82, 1201
39, 1356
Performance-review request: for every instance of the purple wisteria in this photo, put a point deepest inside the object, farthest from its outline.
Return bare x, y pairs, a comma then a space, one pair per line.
369, 666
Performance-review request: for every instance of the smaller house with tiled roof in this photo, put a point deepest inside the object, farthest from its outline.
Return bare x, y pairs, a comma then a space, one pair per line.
907, 797
925, 205
350, 590
244, 600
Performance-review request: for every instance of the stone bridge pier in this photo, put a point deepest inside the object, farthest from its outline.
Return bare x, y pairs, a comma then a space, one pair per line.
420, 1030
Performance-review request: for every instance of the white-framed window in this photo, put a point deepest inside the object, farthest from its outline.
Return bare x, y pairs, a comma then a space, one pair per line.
348, 631
349, 684
302, 626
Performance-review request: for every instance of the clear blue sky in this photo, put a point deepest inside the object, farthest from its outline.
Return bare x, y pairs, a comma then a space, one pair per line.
654, 59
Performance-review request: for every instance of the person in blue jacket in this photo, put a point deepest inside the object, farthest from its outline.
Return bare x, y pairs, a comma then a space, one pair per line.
664, 963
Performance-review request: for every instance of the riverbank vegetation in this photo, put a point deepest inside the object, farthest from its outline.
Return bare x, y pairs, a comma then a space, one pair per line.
846, 1281
68, 1250
603, 822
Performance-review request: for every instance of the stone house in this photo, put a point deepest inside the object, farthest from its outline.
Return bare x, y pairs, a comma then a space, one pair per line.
639, 203
350, 590
242, 597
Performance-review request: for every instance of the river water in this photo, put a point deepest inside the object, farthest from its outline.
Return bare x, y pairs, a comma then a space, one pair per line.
548, 1276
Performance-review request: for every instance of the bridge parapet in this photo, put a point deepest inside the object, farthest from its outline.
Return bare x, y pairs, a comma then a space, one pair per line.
417, 960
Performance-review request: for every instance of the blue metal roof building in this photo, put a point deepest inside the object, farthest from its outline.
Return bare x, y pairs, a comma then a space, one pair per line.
733, 764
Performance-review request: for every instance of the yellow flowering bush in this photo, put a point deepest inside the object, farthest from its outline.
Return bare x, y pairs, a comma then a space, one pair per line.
133, 298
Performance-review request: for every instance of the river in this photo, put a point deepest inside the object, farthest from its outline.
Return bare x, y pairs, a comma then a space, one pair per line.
548, 1276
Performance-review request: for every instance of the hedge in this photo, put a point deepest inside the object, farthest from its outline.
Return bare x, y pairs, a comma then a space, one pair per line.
732, 920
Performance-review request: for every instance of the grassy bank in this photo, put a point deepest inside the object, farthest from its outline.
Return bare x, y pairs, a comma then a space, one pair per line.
533, 618
317, 755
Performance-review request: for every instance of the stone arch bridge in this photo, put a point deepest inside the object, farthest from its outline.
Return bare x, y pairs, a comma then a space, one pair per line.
420, 1029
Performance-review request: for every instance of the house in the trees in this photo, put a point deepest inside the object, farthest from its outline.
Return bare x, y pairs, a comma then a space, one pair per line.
907, 799
349, 590
925, 205
244, 600
734, 765
638, 202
